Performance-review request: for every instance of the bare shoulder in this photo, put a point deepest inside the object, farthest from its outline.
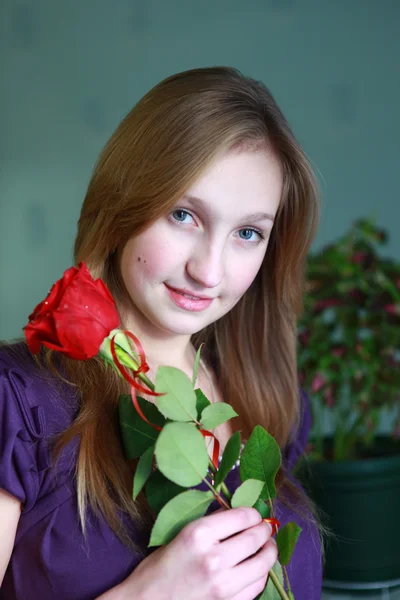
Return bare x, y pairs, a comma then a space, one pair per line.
10, 512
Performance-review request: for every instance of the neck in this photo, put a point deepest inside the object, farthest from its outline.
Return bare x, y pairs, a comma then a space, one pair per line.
170, 356
162, 348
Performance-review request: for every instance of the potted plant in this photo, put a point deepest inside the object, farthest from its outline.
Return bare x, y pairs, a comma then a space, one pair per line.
349, 363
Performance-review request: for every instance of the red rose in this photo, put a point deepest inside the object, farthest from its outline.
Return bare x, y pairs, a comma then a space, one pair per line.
78, 313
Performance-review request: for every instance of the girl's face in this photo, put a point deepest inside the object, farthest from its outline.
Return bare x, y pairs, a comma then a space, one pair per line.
194, 264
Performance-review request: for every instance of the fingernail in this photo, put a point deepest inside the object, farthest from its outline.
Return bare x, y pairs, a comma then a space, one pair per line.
269, 525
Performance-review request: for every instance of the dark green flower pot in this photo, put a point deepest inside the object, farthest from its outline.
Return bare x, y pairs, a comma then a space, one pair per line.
361, 499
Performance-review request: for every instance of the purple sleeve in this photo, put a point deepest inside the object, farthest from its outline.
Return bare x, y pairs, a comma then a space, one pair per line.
21, 427
296, 447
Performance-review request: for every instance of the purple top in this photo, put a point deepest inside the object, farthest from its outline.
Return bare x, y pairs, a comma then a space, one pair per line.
51, 558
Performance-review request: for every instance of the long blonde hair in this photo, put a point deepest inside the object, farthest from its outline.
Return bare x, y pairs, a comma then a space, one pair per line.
158, 151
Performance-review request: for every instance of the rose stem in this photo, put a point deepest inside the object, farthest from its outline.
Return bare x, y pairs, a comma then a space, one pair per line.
279, 588
228, 495
225, 490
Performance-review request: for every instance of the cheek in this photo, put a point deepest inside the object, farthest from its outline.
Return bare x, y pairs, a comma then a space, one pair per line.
243, 276
149, 258
244, 280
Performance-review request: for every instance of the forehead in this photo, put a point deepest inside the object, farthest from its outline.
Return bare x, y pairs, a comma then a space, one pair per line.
239, 183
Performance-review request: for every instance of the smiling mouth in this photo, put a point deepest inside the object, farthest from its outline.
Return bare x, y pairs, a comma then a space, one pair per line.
187, 294
186, 301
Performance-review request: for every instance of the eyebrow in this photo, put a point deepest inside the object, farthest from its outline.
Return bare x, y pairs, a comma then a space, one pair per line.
257, 216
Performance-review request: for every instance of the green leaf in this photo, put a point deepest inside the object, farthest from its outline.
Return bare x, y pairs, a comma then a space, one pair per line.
261, 459
216, 414
181, 510
263, 508
201, 402
270, 592
181, 454
143, 471
196, 365
160, 490
137, 435
179, 400
229, 458
286, 538
247, 493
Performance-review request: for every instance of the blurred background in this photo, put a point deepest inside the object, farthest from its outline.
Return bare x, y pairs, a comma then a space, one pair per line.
71, 70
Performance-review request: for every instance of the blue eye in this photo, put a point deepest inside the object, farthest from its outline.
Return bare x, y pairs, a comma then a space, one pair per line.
180, 215
248, 233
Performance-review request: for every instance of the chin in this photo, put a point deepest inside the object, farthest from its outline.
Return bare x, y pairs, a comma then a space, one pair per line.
181, 324
183, 330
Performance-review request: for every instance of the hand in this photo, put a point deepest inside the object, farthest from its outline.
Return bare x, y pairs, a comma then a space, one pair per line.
224, 555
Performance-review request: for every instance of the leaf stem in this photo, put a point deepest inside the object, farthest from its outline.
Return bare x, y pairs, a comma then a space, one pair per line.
279, 588
286, 578
216, 494
147, 381
224, 489
226, 492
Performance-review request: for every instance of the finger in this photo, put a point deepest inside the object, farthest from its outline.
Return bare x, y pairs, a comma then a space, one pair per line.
223, 525
251, 570
201, 537
219, 510
252, 590
243, 545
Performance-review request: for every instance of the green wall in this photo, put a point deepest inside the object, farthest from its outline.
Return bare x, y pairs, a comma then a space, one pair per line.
71, 70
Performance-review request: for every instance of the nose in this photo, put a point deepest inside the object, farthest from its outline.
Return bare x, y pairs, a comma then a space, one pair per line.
205, 265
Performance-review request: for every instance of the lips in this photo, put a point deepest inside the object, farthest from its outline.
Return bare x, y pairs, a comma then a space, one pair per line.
189, 294
186, 300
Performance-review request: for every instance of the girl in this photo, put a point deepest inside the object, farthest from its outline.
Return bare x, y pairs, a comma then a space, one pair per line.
198, 217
